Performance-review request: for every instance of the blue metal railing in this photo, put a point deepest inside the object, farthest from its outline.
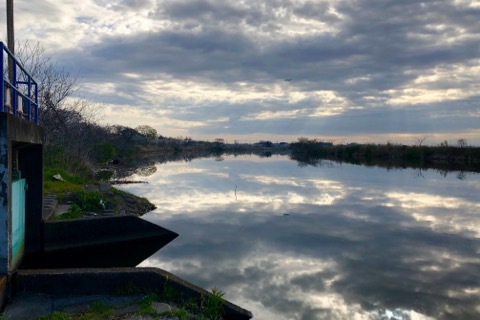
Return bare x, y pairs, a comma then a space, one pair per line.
18, 92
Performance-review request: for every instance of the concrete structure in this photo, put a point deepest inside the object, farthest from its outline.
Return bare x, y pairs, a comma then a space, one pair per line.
112, 281
21, 165
21, 156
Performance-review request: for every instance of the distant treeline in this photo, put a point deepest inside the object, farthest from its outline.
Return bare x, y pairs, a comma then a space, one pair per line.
460, 157
80, 146
164, 150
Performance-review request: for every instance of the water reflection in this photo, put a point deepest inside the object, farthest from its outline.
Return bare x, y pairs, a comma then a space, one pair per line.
334, 242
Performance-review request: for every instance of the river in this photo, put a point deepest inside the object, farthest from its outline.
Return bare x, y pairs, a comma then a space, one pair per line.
336, 241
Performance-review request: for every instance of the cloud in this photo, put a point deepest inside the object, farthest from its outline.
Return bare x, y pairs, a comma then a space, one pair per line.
125, 5
271, 60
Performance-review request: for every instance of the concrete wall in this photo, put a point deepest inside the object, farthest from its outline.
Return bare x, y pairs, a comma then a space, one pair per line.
4, 196
23, 141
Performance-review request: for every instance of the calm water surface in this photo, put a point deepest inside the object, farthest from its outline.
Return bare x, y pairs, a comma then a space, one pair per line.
331, 242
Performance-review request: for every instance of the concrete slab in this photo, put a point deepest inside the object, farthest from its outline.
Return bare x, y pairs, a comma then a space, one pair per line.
105, 188
61, 209
28, 306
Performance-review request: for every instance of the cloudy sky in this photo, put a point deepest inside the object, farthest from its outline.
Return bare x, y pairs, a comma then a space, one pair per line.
341, 70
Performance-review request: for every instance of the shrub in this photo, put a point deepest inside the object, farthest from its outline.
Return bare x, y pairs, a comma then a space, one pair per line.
90, 200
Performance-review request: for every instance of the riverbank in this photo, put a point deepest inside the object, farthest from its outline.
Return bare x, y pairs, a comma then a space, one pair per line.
93, 200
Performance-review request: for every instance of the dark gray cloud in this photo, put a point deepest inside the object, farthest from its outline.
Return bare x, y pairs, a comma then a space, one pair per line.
374, 40
125, 5
208, 12
375, 121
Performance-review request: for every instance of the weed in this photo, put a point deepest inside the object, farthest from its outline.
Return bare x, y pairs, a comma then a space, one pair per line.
192, 305
169, 292
90, 200
213, 304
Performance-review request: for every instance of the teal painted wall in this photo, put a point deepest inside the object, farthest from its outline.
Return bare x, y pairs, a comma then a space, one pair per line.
18, 222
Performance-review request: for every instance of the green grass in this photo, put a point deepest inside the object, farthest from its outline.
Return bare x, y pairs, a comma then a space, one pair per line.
99, 310
181, 313
72, 183
146, 308
56, 316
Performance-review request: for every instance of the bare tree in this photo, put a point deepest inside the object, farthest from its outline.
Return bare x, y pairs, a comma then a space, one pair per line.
55, 84
462, 143
419, 141
70, 123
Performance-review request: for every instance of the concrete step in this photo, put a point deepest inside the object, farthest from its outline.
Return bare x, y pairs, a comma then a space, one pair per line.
50, 204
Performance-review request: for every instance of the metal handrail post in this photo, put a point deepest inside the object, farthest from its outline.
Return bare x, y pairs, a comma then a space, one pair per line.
29, 100
14, 88
15, 92
36, 103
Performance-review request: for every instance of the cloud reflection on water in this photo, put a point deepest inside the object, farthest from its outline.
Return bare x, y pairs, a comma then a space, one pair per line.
357, 242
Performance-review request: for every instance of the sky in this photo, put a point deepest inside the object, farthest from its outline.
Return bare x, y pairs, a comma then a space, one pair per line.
248, 70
